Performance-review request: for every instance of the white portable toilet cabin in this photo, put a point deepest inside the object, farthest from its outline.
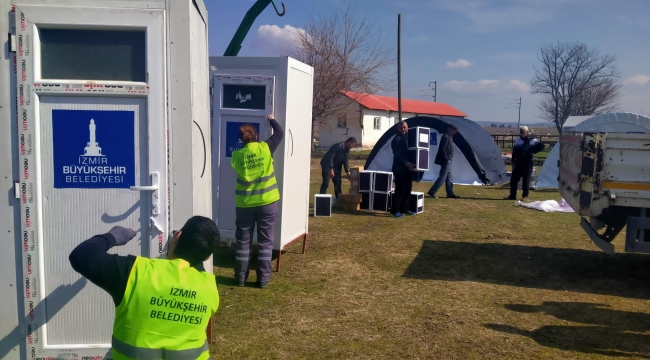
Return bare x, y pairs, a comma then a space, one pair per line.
106, 123
247, 90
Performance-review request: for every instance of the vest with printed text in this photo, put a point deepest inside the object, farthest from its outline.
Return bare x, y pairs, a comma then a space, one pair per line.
256, 184
165, 311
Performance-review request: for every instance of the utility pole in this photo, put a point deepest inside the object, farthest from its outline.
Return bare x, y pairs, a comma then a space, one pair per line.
519, 118
517, 105
435, 90
399, 65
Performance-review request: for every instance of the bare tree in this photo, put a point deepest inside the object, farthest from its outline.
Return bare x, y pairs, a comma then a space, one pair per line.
575, 80
348, 53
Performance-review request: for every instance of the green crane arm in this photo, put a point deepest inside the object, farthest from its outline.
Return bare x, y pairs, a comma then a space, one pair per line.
245, 26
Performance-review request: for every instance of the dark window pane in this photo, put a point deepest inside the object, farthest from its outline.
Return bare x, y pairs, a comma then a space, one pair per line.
93, 55
244, 97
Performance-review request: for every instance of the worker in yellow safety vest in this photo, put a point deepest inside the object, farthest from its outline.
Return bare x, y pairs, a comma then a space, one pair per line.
163, 306
256, 196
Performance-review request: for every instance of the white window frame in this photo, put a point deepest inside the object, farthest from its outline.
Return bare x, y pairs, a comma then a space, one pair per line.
376, 123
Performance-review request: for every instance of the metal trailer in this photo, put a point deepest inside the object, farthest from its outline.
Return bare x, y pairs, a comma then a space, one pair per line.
605, 177
146, 116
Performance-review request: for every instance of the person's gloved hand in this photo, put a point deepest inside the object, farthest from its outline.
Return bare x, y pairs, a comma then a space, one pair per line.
122, 235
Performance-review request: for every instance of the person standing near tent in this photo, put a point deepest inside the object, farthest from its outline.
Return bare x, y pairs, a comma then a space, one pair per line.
444, 158
337, 156
402, 172
522, 162
148, 323
256, 196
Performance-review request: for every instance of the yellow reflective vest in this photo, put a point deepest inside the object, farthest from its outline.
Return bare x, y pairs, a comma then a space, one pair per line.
256, 184
165, 311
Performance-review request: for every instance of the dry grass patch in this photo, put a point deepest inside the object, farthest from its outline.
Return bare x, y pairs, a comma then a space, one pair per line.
474, 278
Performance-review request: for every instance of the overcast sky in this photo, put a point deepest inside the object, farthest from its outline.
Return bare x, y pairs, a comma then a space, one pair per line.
481, 53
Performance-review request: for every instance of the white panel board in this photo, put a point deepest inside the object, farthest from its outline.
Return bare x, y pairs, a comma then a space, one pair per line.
297, 157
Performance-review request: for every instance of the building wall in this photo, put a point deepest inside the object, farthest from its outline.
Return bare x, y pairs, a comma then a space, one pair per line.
387, 119
367, 136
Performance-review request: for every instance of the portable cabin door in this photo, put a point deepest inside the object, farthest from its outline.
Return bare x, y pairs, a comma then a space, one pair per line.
238, 100
93, 155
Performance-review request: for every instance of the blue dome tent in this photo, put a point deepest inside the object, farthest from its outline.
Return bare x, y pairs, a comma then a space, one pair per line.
477, 158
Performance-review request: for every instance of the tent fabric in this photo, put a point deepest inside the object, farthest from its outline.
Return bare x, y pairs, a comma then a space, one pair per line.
477, 158
612, 122
572, 121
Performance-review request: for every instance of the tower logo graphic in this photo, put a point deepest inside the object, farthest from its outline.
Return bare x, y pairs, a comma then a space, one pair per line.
92, 149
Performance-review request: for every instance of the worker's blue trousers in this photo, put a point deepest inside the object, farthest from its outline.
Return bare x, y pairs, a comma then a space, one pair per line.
246, 219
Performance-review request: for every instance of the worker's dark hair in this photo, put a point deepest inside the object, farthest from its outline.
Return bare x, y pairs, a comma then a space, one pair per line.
351, 139
400, 123
199, 239
247, 133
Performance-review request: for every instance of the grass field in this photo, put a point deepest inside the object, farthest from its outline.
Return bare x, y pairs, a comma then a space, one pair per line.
472, 278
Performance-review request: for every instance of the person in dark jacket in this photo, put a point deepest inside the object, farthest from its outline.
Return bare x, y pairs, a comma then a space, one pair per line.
444, 158
522, 162
402, 172
331, 163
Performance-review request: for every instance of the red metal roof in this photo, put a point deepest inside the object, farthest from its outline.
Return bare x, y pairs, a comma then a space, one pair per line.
387, 103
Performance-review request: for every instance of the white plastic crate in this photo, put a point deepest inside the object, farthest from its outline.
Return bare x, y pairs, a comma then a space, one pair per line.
322, 205
366, 179
383, 182
418, 137
419, 157
416, 202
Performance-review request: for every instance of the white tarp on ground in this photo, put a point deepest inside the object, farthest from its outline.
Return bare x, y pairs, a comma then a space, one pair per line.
547, 206
614, 122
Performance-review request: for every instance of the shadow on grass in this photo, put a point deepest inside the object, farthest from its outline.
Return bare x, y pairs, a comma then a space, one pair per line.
582, 271
608, 332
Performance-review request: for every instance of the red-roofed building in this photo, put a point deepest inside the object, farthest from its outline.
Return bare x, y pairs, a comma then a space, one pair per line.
367, 117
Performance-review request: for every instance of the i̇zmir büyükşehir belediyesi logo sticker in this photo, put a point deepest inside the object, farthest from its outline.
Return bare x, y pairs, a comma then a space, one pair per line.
79, 159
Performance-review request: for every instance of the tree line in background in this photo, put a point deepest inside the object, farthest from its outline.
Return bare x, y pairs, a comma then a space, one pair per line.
575, 80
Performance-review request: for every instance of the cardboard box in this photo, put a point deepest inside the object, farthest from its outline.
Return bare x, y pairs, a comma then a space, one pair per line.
354, 183
348, 199
354, 171
348, 206
354, 191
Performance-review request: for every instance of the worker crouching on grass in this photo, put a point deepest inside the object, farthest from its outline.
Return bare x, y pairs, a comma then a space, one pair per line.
256, 196
163, 306
337, 156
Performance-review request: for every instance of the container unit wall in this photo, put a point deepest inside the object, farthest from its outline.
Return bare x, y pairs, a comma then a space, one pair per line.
11, 281
291, 83
77, 321
599, 170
